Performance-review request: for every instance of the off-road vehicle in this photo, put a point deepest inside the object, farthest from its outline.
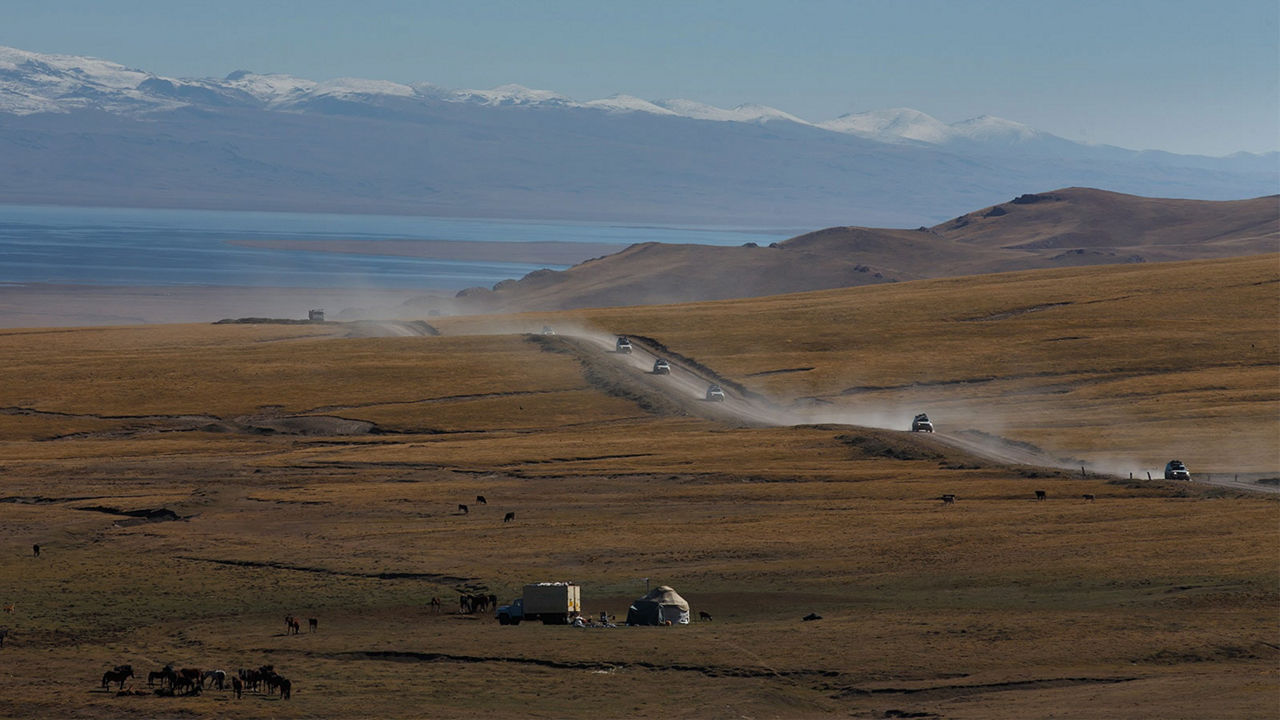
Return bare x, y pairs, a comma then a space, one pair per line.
1175, 470
623, 346
715, 393
921, 423
661, 367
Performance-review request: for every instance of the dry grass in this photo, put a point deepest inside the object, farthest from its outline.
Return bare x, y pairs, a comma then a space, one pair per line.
1155, 600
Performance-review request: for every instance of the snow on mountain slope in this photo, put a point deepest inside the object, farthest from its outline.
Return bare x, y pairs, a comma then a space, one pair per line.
627, 103
33, 83
512, 94
741, 113
892, 125
988, 129
272, 89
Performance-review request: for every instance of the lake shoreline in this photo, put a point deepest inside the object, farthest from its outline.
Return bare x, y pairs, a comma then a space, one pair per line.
49, 305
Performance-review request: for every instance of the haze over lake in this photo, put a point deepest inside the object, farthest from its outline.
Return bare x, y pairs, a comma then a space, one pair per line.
147, 247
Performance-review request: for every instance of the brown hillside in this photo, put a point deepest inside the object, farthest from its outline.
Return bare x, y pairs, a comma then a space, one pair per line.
1063, 228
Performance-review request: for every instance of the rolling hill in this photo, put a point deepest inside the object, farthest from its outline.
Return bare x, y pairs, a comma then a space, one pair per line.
1063, 228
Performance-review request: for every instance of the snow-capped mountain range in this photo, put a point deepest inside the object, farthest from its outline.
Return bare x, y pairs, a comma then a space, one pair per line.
35, 83
83, 130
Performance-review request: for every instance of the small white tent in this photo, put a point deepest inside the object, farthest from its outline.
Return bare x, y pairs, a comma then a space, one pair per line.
660, 606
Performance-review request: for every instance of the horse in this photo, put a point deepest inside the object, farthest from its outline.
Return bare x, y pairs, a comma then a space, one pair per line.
219, 678
435, 605
312, 624
1088, 496
9, 608
295, 627
165, 676
288, 623
464, 604
948, 499
703, 615
4, 633
1041, 495
508, 517
117, 675
286, 687
493, 601
35, 550
463, 509
237, 686
480, 499
190, 685
252, 678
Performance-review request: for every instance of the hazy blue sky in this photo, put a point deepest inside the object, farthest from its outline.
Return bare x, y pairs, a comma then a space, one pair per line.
1191, 77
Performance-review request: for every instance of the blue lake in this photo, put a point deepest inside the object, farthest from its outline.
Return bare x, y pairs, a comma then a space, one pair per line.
126, 246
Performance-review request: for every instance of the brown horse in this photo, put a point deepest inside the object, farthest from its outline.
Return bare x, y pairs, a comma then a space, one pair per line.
295, 627
435, 605
117, 675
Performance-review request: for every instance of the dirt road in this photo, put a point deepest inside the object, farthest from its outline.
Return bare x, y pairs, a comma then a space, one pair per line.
686, 387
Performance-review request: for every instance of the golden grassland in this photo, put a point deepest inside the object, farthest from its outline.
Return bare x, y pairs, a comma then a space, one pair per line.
1156, 600
1126, 364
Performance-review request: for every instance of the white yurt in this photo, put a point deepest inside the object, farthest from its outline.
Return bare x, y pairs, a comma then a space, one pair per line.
658, 607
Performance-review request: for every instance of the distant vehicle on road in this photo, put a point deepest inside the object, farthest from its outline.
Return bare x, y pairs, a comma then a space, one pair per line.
546, 330
1175, 470
715, 393
623, 345
921, 423
661, 367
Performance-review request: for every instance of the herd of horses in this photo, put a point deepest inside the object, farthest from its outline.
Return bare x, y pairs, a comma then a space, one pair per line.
950, 499
175, 682
293, 625
473, 603
464, 509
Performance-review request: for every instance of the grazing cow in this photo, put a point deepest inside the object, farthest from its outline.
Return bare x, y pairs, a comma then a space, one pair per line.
1041, 495
704, 615
312, 624
295, 627
117, 675
948, 499
463, 509
1088, 496
237, 686
35, 550
480, 499
435, 605
508, 517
